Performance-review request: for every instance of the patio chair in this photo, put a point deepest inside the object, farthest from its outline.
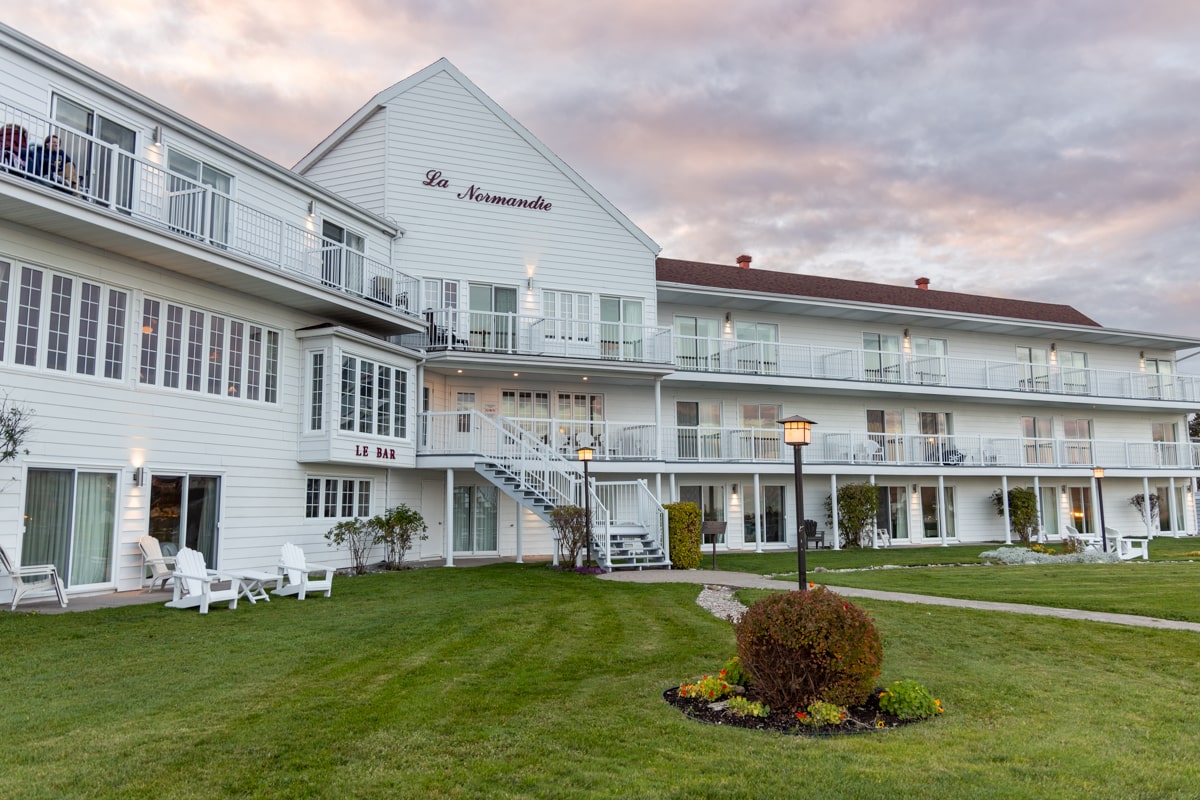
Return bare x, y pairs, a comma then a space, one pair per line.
296, 574
161, 566
1090, 541
45, 578
1127, 548
194, 583
813, 538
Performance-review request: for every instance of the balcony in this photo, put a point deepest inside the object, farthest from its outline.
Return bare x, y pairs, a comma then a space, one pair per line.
516, 334
107, 177
695, 354
449, 433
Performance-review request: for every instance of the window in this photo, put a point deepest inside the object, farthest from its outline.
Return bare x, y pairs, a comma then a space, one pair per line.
757, 347
698, 343
198, 198
711, 500
1038, 439
580, 420
493, 316
70, 519
335, 498
568, 316
936, 433
881, 357
1166, 452
772, 515
620, 328
1078, 447
928, 360
761, 435
475, 519
885, 441
1075, 376
209, 353
316, 393
342, 258
373, 398
698, 432
464, 403
931, 513
530, 409
59, 321
1081, 509
105, 167
1158, 380
1035, 369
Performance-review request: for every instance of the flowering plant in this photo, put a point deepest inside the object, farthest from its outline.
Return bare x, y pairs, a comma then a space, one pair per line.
747, 708
822, 713
709, 687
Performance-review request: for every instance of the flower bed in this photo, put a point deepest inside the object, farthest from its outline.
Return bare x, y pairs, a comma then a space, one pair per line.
865, 718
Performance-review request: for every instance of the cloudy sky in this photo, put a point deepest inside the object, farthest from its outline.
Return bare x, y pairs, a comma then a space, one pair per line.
1043, 150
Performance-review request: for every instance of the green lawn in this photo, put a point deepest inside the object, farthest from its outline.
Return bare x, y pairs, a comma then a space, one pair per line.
517, 681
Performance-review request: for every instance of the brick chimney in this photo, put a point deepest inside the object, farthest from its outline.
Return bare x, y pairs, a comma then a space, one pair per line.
743, 261
922, 283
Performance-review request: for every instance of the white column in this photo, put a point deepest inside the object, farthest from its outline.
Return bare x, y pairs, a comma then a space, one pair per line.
658, 426
1007, 517
674, 493
1192, 524
520, 533
942, 509
837, 536
758, 515
1172, 506
1037, 493
1146, 504
449, 518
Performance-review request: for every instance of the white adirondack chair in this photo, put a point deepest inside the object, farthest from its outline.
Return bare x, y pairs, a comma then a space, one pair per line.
194, 583
1128, 547
296, 574
45, 578
160, 566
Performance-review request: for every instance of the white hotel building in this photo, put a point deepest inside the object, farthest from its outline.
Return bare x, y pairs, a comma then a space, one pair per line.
433, 309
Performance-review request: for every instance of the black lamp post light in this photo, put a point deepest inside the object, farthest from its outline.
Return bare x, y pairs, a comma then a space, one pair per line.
797, 432
585, 455
1098, 474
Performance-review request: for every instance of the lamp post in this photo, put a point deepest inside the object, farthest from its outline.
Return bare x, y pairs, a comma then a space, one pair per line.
1098, 474
585, 455
797, 432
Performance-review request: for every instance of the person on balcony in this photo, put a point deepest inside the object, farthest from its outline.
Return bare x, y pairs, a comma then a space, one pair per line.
13, 147
53, 163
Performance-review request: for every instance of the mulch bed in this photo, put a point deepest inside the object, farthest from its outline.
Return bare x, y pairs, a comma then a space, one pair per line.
866, 718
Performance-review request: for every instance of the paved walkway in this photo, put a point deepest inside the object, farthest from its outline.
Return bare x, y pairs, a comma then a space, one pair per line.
745, 580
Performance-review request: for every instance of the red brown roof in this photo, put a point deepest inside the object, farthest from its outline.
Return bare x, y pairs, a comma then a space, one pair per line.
721, 276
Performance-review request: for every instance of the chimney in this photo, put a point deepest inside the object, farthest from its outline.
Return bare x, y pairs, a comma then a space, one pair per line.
743, 261
922, 283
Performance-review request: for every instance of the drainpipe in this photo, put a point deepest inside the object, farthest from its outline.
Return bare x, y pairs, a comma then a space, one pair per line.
520, 534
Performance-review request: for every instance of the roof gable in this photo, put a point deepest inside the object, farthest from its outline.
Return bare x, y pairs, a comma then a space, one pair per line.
443, 66
722, 276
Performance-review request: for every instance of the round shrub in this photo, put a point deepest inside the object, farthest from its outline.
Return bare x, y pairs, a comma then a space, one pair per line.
803, 647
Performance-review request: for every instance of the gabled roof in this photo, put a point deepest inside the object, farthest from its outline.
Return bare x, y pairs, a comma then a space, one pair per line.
443, 65
722, 276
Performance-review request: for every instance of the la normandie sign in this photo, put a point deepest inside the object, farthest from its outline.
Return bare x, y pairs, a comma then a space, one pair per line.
434, 179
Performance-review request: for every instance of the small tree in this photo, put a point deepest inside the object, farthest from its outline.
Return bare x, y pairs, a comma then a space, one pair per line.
1138, 501
1022, 511
396, 529
858, 508
356, 534
571, 524
14, 428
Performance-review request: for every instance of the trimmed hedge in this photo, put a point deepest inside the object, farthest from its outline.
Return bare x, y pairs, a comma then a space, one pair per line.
683, 521
803, 647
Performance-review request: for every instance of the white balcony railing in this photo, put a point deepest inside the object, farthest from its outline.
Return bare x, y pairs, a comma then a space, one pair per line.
633, 441
516, 334
829, 363
106, 176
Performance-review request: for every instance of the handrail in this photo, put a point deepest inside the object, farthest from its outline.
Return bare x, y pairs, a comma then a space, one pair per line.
703, 354
108, 177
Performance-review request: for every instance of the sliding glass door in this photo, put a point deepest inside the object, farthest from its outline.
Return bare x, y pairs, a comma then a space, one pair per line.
70, 519
184, 512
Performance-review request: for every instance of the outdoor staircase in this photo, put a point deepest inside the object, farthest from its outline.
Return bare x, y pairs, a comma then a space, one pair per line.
628, 525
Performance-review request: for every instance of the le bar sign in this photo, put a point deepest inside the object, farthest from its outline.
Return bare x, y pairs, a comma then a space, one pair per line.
435, 180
